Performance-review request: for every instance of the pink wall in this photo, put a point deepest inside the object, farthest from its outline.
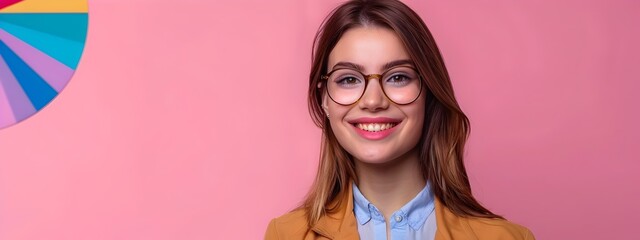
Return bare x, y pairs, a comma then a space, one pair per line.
187, 119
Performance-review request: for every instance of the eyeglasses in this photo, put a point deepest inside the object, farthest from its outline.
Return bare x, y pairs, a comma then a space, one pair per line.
401, 85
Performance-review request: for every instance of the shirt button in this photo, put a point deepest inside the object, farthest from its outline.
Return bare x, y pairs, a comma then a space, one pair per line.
398, 218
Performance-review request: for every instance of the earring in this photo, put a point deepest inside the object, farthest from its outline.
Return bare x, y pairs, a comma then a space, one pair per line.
326, 110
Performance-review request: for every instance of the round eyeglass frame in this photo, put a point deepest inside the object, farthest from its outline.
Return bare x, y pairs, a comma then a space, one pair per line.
366, 83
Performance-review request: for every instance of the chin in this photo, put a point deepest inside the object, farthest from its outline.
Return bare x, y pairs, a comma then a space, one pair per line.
373, 157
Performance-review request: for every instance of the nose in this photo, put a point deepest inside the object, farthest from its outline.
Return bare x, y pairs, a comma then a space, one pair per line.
373, 98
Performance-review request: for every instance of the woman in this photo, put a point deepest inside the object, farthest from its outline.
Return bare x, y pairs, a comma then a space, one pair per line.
391, 165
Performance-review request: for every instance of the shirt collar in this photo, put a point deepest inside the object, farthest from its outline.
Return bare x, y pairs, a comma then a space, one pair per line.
416, 211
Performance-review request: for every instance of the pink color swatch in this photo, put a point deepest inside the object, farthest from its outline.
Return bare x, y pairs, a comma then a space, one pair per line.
6, 3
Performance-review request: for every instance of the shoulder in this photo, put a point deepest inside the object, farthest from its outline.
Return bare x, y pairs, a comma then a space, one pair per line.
453, 226
292, 225
494, 228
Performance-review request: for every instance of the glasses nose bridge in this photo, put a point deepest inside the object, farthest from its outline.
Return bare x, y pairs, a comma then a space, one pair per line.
370, 76
376, 76
376, 98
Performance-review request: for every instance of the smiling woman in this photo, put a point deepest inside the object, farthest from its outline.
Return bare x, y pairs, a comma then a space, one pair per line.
391, 165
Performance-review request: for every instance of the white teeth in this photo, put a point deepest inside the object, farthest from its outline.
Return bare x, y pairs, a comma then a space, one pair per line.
375, 127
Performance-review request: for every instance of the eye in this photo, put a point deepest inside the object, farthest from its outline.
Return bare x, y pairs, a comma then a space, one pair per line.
398, 79
348, 81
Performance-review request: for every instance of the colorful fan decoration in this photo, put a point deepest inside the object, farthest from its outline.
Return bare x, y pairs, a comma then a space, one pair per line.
41, 42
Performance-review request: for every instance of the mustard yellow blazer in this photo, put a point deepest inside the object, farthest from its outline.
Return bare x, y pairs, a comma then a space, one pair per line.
342, 225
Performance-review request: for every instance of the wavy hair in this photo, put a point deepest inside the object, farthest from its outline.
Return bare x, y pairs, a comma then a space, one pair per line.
445, 130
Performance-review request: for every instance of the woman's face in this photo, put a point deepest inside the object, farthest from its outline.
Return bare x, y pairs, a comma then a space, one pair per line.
361, 128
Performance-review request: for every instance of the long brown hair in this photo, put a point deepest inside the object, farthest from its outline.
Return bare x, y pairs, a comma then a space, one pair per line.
445, 130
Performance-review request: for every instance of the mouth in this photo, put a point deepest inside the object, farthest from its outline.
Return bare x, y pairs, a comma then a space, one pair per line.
374, 127
377, 124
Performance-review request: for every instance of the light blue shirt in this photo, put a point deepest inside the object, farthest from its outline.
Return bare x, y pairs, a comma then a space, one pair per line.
415, 220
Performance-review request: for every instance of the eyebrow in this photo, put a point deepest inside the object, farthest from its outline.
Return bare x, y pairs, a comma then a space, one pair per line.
385, 67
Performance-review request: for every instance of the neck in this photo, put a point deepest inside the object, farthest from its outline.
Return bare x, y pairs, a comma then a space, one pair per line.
391, 185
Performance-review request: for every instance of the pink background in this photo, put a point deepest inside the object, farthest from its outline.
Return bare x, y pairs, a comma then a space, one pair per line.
188, 120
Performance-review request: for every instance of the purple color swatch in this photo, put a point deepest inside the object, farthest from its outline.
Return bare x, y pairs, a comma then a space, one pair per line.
20, 103
6, 114
53, 72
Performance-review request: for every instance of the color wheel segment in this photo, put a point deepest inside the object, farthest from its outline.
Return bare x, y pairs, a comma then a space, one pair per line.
41, 42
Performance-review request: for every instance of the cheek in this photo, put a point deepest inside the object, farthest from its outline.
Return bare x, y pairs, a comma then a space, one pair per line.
339, 127
416, 114
336, 113
417, 120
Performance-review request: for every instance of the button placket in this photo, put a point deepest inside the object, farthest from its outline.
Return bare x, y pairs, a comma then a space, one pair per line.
399, 220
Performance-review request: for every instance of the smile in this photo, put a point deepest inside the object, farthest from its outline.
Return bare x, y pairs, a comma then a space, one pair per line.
375, 127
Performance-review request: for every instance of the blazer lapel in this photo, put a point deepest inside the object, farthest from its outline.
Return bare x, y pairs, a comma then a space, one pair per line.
451, 226
340, 224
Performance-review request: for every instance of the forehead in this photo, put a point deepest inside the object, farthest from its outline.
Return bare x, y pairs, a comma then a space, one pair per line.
369, 46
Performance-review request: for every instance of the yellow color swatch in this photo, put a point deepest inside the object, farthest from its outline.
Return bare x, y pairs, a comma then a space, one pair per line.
48, 6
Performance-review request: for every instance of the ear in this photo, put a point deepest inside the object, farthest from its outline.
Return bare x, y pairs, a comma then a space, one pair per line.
325, 101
